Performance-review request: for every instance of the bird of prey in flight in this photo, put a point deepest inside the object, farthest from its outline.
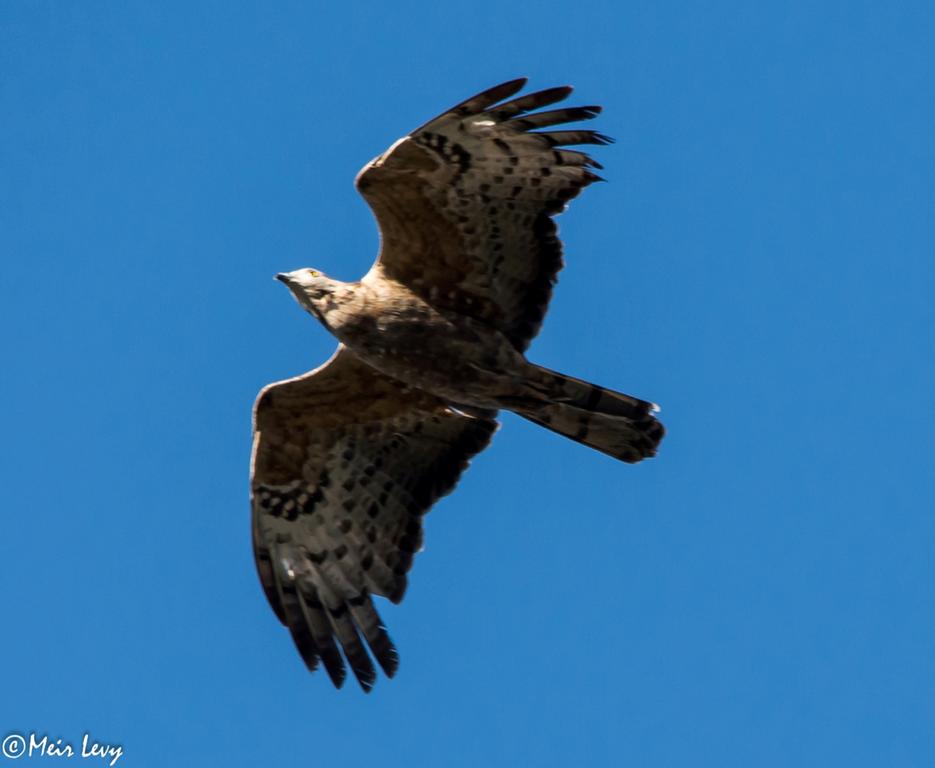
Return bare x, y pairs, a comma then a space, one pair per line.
349, 457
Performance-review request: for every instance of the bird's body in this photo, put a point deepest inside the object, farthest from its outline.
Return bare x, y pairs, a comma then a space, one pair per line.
348, 457
392, 329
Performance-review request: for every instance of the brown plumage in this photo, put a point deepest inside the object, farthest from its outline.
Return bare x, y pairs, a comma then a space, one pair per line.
349, 457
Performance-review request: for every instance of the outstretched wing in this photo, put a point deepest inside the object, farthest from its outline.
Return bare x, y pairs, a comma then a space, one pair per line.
345, 463
465, 205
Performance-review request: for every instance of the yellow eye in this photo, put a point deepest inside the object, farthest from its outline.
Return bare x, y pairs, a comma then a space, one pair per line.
314, 272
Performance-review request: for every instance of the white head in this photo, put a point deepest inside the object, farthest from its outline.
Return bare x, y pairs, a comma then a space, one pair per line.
310, 287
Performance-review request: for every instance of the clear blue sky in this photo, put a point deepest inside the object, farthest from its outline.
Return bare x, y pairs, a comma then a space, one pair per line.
761, 264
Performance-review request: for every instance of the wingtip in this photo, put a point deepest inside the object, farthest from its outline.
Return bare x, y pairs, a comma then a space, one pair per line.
504, 90
560, 92
396, 596
337, 680
389, 662
554, 94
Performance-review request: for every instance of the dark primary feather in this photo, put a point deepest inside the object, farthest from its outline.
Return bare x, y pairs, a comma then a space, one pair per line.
316, 618
557, 117
530, 102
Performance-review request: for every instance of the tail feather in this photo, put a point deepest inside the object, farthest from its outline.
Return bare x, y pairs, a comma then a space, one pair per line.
611, 422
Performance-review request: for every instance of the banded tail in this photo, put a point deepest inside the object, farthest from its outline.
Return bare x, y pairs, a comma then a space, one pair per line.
610, 422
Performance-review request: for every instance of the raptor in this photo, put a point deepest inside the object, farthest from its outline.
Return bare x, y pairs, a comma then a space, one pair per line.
349, 457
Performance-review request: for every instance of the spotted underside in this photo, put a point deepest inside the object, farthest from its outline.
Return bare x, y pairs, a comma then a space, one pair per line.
346, 462
465, 205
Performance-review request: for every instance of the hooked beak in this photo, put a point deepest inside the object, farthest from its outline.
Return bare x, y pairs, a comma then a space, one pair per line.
293, 282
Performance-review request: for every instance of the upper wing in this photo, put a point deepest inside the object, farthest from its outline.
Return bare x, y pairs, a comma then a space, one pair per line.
464, 205
345, 462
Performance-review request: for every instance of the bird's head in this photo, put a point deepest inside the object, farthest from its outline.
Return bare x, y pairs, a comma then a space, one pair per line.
310, 288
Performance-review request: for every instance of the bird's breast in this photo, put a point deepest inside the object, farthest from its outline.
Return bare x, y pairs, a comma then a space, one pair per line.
456, 358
